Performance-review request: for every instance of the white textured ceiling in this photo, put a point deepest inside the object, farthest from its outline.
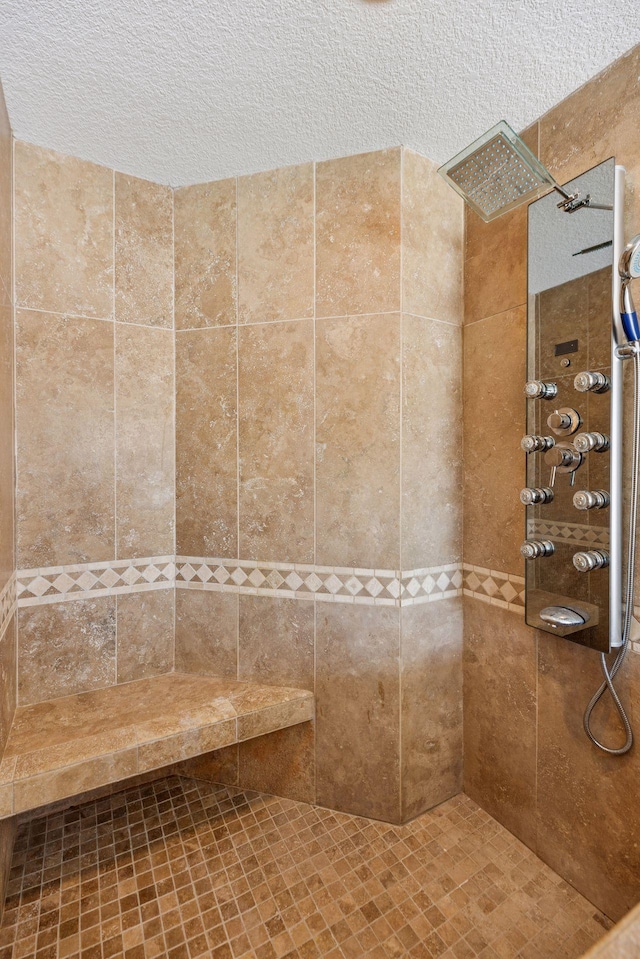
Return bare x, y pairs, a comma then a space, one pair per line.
188, 90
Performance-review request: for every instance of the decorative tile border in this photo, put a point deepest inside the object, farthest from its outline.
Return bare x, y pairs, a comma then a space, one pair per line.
57, 584
8, 604
377, 587
333, 584
491, 586
578, 534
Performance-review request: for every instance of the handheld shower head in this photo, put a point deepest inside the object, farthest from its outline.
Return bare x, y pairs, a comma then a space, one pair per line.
629, 269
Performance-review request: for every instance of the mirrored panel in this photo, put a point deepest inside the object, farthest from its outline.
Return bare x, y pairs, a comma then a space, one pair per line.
568, 493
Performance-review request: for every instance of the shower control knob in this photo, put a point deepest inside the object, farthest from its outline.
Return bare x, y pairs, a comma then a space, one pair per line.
591, 499
564, 421
536, 496
535, 548
592, 382
562, 459
591, 559
585, 442
536, 444
538, 390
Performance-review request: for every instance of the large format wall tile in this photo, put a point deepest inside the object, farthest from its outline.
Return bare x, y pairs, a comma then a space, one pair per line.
144, 252
431, 443
597, 122
276, 645
281, 763
276, 641
358, 709
145, 634
358, 441
275, 396
6, 445
206, 443
205, 255
494, 422
432, 235
358, 234
431, 705
145, 504
495, 278
275, 244
500, 716
66, 648
207, 633
587, 830
64, 233
6, 203
7, 681
64, 395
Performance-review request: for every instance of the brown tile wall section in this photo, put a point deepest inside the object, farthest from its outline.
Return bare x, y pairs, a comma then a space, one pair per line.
527, 760
379, 391
95, 411
8, 649
290, 433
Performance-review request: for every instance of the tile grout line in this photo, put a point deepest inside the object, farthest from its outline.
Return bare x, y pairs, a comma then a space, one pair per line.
237, 327
175, 413
14, 394
115, 402
400, 466
315, 491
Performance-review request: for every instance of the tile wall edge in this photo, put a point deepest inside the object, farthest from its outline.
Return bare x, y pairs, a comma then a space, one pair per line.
8, 604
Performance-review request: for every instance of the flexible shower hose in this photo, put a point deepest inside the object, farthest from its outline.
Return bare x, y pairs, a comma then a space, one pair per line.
609, 674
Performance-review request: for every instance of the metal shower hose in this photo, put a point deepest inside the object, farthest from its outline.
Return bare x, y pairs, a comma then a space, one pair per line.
609, 674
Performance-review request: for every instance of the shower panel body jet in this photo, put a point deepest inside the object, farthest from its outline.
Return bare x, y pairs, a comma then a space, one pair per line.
573, 542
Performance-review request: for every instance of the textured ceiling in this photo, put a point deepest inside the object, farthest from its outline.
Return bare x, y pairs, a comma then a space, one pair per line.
187, 90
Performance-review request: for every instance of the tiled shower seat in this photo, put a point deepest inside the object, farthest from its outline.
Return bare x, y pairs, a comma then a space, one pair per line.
64, 747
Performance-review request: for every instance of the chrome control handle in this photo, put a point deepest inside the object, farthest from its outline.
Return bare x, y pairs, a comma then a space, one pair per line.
585, 442
591, 559
588, 382
536, 444
564, 421
536, 496
591, 499
539, 390
534, 548
563, 458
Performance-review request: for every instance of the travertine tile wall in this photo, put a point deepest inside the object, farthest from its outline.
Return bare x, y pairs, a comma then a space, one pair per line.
527, 759
94, 348
7, 544
318, 381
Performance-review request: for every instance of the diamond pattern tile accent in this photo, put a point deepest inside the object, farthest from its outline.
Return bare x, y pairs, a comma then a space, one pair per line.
184, 869
8, 603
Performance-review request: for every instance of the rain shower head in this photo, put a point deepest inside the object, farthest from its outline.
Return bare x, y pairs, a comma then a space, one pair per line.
496, 173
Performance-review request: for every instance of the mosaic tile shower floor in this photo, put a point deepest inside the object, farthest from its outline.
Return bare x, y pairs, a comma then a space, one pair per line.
182, 869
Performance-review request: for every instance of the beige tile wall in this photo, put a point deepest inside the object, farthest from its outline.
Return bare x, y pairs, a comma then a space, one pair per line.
8, 651
527, 760
325, 429
315, 423
95, 413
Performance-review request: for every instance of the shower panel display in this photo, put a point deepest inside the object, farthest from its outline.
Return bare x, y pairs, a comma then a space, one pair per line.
572, 497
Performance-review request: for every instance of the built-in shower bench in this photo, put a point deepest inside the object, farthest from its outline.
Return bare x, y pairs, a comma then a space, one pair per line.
64, 747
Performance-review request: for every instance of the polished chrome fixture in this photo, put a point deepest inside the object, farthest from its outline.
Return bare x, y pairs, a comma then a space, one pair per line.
498, 172
572, 261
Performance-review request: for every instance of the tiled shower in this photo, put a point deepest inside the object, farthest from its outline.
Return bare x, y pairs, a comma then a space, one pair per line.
267, 430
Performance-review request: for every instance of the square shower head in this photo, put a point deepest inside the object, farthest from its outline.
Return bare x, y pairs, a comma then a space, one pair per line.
496, 173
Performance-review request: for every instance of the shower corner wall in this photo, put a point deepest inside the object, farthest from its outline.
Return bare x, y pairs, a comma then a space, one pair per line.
317, 390
527, 759
340, 299
7, 549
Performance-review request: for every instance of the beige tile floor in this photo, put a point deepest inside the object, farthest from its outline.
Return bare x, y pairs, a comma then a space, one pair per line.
182, 869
